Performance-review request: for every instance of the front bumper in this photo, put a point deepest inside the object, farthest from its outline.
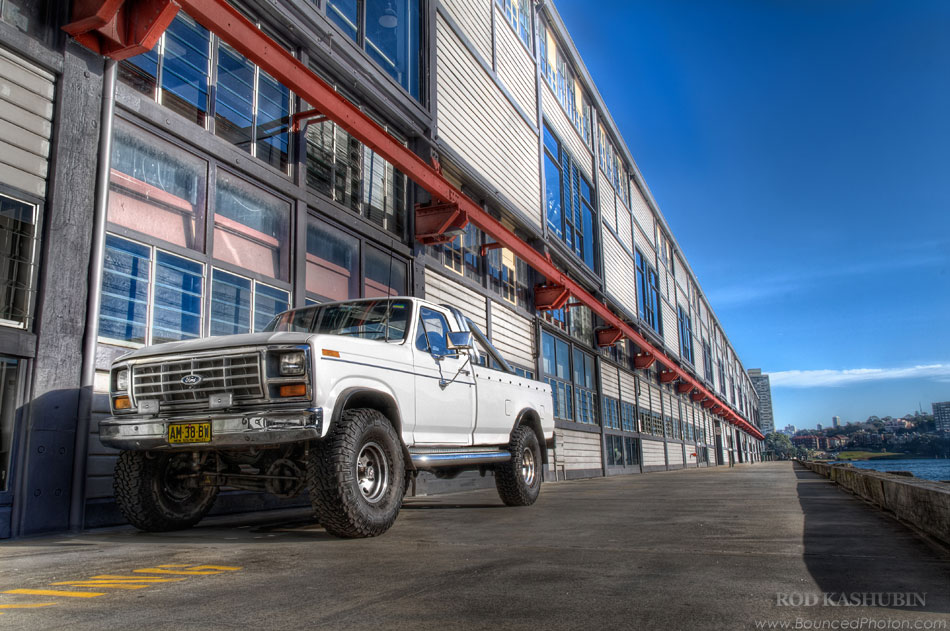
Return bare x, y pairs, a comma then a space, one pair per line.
250, 429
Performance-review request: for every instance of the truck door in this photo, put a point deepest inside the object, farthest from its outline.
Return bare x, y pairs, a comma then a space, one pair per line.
445, 385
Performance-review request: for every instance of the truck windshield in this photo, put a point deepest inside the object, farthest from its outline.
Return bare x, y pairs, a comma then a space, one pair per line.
367, 319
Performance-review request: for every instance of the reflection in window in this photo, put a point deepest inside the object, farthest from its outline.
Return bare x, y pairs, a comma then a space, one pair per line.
234, 98
556, 366
340, 167
18, 240
388, 30
558, 73
187, 49
157, 189
134, 271
518, 13
385, 275
569, 200
238, 302
333, 257
8, 405
251, 227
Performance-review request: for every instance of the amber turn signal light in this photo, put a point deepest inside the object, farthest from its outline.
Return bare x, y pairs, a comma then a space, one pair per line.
122, 403
293, 390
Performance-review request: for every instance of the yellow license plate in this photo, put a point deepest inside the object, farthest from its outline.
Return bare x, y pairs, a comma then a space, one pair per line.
180, 433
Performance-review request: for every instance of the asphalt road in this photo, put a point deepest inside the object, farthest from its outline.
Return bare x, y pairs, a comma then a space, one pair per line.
696, 549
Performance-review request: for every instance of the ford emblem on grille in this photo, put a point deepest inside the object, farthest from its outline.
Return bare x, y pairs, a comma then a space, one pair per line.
191, 380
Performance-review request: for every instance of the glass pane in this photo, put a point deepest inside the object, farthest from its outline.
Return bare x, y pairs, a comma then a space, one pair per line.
367, 319
251, 227
125, 278
320, 157
383, 196
268, 302
547, 353
176, 311
562, 359
157, 189
140, 72
333, 271
385, 275
273, 121
234, 98
230, 304
8, 388
185, 69
432, 332
17, 240
347, 182
392, 39
552, 188
345, 14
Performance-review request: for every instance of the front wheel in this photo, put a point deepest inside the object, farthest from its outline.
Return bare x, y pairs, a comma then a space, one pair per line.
357, 475
161, 491
519, 480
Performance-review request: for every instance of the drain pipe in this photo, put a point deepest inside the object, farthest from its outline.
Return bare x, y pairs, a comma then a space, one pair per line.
77, 503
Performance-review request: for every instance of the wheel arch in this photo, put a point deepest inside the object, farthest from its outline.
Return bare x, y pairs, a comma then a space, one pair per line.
382, 402
530, 418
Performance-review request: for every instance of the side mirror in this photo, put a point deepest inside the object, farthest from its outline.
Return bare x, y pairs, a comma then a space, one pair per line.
461, 341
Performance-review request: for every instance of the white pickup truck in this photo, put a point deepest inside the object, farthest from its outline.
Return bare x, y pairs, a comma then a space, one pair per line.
348, 399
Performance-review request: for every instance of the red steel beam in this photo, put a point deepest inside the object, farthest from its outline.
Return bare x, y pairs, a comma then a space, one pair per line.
227, 23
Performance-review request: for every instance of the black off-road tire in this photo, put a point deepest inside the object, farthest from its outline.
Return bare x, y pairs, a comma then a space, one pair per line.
356, 475
519, 480
149, 491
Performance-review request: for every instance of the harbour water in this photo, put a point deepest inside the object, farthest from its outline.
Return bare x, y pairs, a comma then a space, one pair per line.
924, 468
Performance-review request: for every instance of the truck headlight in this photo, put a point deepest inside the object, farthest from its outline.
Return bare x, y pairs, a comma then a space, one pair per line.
293, 364
121, 380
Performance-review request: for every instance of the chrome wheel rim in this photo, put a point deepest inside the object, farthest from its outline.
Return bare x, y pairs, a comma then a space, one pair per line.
528, 468
372, 472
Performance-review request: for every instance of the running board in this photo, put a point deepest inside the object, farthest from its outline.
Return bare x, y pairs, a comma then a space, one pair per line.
459, 459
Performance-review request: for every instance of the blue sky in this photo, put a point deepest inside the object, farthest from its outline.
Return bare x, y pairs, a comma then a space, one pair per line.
800, 150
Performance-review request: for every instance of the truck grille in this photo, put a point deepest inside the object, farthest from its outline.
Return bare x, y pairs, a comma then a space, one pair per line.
162, 381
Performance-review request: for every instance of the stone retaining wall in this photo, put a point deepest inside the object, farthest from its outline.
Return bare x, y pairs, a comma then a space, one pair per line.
924, 504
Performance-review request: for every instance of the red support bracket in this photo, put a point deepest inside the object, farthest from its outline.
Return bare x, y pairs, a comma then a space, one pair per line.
298, 120
489, 246
439, 223
608, 336
684, 388
708, 403
550, 296
120, 28
696, 396
668, 376
642, 361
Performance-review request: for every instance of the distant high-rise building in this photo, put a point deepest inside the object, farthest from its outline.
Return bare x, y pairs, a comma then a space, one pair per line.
836, 421
819, 427
763, 390
941, 416
789, 430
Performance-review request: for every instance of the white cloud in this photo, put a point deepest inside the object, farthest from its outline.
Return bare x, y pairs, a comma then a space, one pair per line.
833, 378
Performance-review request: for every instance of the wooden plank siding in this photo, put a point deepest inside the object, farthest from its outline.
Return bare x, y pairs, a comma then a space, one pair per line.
515, 66
566, 132
26, 115
609, 381
653, 453
443, 290
642, 213
619, 272
513, 335
480, 124
577, 450
474, 19
628, 387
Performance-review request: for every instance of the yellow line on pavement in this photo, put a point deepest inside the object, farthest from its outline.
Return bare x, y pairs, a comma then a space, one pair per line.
54, 592
120, 585
225, 568
26, 606
137, 579
175, 565
156, 570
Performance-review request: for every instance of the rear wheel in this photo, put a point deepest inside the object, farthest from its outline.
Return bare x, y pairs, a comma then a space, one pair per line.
519, 480
357, 475
160, 491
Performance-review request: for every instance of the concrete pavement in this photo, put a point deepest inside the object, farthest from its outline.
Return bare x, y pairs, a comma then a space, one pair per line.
693, 549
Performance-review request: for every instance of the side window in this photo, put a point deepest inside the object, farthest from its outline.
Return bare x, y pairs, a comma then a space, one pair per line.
432, 332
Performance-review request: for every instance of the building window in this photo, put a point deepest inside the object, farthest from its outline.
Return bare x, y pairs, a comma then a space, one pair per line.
614, 445
648, 293
249, 107
632, 451
462, 255
389, 32
251, 227
611, 413
509, 277
518, 13
569, 201
343, 169
157, 189
132, 274
556, 366
9, 367
707, 362
722, 378
611, 163
628, 416
557, 72
686, 335
584, 388
243, 305
18, 240
385, 275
